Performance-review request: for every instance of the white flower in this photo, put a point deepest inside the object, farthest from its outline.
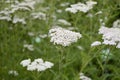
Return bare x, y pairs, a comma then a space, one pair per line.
59, 11
43, 35
13, 72
72, 10
29, 47
31, 34
110, 35
5, 14
16, 20
83, 77
63, 37
39, 65
28, 5
96, 43
81, 7
64, 4
7, 1
8, 18
89, 15
109, 42
36, 1
39, 15
25, 62
63, 21
91, 3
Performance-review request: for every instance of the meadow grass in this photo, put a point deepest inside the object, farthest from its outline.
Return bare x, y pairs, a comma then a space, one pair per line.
87, 60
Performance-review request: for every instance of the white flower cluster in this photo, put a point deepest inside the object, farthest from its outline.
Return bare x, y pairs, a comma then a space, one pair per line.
59, 11
111, 36
37, 1
29, 47
64, 4
18, 20
26, 5
96, 43
37, 64
13, 72
83, 77
81, 7
5, 14
43, 35
8, 18
63, 37
63, 21
9, 1
116, 23
39, 15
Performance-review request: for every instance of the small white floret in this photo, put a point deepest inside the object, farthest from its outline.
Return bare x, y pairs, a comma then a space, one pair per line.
96, 43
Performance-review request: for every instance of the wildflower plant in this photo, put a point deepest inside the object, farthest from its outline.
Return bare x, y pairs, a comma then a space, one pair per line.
64, 37
37, 64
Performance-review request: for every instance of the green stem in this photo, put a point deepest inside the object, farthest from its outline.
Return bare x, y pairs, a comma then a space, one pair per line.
36, 75
61, 55
95, 54
107, 59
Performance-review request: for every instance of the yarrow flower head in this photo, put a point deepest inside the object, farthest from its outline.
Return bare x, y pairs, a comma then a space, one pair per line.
64, 4
13, 72
81, 7
26, 5
63, 36
29, 47
20, 20
111, 36
37, 64
39, 15
5, 14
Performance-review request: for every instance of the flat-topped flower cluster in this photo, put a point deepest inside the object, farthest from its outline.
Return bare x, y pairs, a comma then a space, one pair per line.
111, 36
37, 64
81, 7
63, 36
